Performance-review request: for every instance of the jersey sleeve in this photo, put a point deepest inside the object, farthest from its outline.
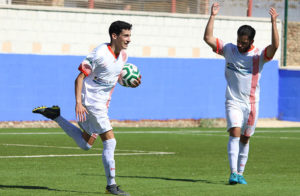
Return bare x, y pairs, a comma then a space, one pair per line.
220, 47
265, 57
85, 67
91, 62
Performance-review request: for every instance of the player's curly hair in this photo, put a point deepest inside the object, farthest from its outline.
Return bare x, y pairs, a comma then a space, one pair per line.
246, 30
117, 27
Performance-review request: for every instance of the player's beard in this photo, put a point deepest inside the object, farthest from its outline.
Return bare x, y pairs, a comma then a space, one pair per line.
243, 50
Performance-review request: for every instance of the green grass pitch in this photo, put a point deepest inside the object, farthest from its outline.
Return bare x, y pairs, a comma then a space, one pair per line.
149, 161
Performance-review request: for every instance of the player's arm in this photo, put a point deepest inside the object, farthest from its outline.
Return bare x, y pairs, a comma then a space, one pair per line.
271, 49
208, 35
80, 110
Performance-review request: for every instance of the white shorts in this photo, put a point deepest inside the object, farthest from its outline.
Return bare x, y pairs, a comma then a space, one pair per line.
97, 121
243, 115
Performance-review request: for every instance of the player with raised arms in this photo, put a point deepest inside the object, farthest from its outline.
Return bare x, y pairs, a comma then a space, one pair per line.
244, 63
99, 73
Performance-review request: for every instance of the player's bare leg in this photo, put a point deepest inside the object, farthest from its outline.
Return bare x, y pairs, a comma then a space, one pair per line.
235, 132
109, 145
233, 152
90, 139
107, 135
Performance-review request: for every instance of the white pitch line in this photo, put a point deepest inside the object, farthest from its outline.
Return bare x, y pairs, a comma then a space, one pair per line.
279, 131
85, 155
42, 146
282, 138
34, 133
169, 132
63, 147
256, 131
254, 136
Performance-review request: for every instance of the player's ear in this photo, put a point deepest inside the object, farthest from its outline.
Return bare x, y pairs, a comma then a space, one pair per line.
251, 42
114, 36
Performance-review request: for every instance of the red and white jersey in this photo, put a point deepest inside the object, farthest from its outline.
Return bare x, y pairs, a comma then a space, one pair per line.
102, 69
242, 71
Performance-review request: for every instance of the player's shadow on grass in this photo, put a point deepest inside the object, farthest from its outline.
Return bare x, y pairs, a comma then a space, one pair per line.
43, 188
171, 179
160, 178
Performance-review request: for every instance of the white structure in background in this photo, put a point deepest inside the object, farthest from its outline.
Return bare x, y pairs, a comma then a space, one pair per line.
76, 31
5, 2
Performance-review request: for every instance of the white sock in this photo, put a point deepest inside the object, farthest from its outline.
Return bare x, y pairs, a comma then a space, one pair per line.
233, 151
108, 160
243, 157
73, 131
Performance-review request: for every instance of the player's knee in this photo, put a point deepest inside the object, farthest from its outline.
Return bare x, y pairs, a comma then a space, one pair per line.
235, 131
109, 144
244, 139
90, 139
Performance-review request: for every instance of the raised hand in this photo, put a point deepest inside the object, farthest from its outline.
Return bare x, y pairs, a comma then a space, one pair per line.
215, 9
273, 14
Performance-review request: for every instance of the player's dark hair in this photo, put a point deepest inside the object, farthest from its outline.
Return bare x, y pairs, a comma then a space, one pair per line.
117, 27
246, 30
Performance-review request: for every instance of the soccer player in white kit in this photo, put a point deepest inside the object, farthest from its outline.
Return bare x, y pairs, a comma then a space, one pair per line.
99, 73
244, 63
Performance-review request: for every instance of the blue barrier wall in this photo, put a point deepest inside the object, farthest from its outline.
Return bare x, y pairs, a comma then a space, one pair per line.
289, 99
171, 88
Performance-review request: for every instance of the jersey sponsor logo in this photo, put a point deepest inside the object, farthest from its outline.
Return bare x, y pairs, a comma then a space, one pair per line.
238, 68
103, 82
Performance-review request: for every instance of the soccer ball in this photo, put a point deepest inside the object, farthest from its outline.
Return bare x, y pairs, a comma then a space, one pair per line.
129, 74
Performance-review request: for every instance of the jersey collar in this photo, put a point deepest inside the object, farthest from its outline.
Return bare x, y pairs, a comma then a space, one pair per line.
251, 48
111, 51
